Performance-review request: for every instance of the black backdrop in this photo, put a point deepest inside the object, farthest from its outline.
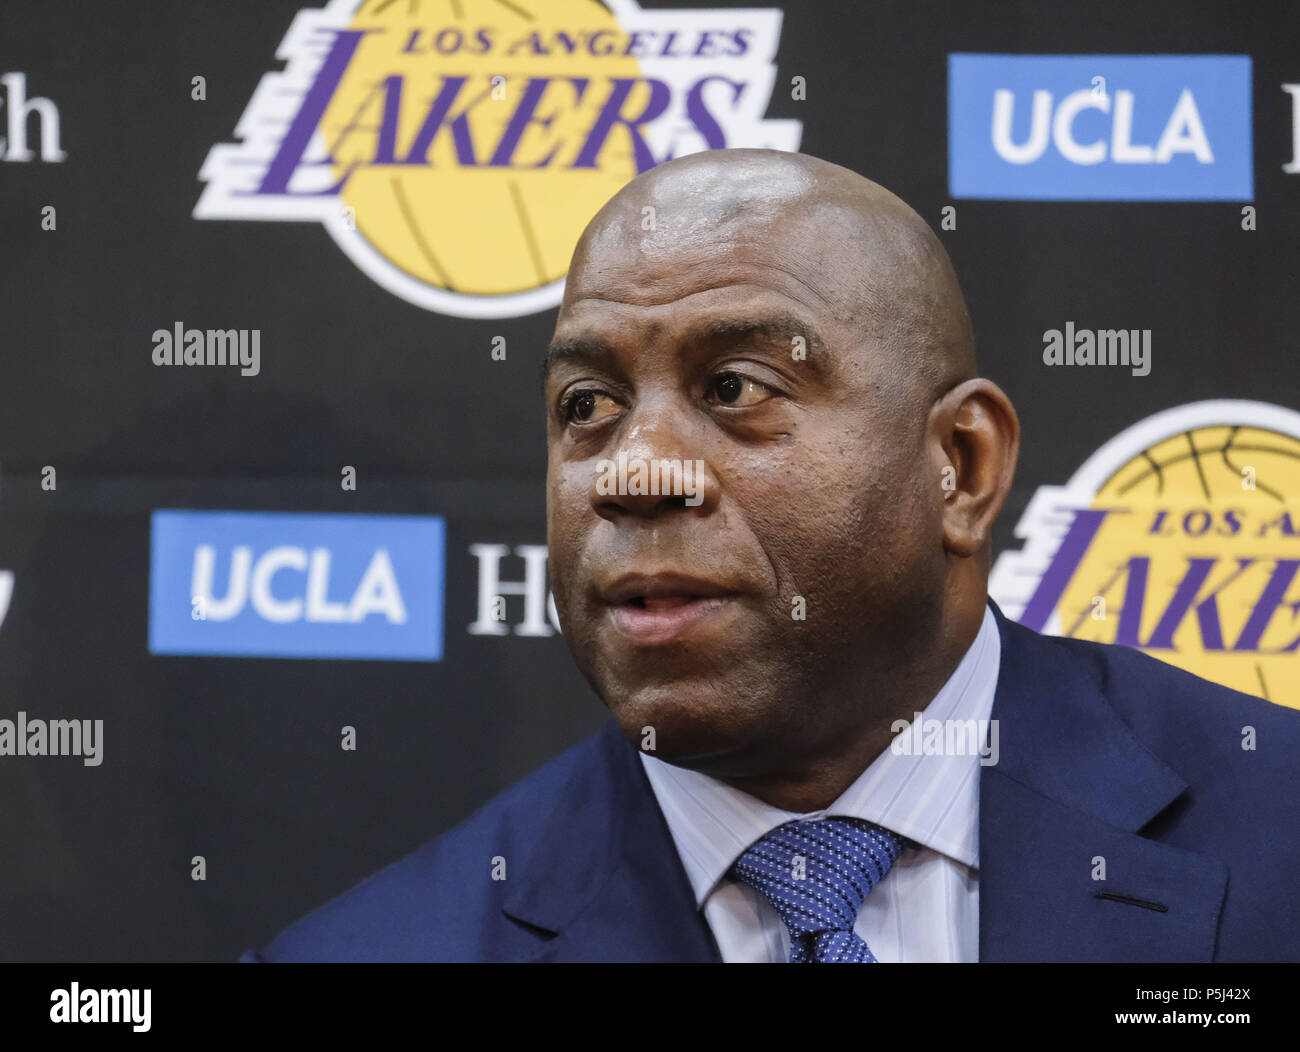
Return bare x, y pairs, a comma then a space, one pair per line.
238, 760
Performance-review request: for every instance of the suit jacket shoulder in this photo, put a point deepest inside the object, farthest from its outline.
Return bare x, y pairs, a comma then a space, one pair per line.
1222, 741
574, 862
432, 904
1099, 741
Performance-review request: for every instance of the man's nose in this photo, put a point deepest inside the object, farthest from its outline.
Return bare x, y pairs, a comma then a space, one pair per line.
655, 468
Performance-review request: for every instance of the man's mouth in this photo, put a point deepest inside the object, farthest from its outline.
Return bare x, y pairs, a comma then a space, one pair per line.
642, 602
664, 607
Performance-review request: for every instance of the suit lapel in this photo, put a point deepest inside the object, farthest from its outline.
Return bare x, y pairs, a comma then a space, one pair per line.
604, 881
1071, 789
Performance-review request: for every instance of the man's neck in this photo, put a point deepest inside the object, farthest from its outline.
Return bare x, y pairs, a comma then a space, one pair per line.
827, 771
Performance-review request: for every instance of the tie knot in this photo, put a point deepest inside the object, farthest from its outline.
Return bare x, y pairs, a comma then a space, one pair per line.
815, 874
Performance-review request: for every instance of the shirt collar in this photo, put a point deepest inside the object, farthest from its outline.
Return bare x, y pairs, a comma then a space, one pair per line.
931, 799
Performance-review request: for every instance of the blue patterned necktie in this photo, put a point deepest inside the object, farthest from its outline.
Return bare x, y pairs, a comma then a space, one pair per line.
815, 874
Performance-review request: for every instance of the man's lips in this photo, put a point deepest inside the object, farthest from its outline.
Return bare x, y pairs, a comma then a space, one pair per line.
664, 584
663, 607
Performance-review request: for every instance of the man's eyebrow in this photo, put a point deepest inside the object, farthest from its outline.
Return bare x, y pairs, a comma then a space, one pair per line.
777, 328
781, 327
579, 348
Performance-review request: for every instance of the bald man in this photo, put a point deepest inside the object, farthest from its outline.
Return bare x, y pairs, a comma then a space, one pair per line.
773, 474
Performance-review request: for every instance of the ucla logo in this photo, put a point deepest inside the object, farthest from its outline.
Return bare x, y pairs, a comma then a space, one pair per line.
455, 152
1179, 537
1100, 127
263, 584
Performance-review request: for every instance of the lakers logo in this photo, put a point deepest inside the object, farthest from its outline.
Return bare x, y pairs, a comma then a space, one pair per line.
455, 149
1180, 537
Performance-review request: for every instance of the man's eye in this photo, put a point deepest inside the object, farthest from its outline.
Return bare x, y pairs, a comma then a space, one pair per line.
735, 390
587, 407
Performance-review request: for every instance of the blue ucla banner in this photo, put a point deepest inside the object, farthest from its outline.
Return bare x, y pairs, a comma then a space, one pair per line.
266, 584
1100, 127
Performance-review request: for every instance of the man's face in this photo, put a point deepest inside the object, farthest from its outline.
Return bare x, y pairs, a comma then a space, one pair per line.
746, 618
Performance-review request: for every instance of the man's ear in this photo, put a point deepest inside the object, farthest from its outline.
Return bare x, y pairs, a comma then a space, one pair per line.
974, 438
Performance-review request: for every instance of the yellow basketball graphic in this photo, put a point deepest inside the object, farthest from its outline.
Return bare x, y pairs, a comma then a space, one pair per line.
1196, 558
450, 213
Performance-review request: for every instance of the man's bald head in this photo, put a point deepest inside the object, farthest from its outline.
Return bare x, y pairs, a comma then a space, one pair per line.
795, 333
881, 269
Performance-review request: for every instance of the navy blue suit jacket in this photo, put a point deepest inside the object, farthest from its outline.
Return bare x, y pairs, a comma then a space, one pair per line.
1104, 753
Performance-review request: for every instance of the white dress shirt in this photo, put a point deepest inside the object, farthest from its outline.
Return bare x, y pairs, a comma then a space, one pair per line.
927, 906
